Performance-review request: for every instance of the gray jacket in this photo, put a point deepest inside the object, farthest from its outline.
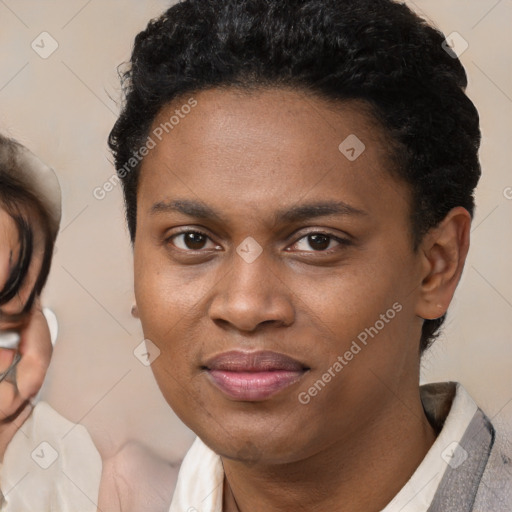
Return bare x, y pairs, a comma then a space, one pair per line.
483, 482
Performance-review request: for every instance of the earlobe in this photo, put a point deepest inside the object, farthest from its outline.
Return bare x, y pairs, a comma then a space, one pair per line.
443, 252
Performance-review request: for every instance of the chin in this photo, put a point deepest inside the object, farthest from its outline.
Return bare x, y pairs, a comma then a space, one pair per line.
250, 441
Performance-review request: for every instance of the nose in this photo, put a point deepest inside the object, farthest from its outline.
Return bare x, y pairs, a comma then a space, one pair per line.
250, 295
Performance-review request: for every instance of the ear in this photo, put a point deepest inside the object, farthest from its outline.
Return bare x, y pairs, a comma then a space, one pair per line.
443, 253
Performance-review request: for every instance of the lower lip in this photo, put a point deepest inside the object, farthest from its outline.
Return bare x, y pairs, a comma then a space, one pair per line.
253, 386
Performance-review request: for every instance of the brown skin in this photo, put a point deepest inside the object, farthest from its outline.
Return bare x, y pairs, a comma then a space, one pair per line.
357, 442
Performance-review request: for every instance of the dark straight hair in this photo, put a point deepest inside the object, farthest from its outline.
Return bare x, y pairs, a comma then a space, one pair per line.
20, 204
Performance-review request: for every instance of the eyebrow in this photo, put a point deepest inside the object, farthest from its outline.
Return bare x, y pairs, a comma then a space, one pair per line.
186, 207
290, 215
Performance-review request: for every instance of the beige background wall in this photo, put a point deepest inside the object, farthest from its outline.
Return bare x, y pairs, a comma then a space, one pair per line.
63, 106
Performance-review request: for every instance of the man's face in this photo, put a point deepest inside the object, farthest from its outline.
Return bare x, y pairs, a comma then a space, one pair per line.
325, 285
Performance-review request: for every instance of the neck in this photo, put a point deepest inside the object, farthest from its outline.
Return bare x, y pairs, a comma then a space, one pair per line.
360, 472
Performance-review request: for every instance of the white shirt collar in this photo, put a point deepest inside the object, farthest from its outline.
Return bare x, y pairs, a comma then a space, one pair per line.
418, 493
200, 481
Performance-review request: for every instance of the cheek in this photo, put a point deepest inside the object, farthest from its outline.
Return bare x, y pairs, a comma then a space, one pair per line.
352, 296
155, 299
161, 312
361, 310
161, 295
169, 303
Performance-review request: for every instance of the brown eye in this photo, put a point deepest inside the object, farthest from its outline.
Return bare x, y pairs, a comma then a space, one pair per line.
190, 241
194, 241
319, 242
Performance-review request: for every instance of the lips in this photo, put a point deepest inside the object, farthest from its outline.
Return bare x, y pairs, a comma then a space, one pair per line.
253, 376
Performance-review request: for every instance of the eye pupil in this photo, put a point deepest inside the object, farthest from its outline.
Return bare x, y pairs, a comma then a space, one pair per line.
319, 242
194, 241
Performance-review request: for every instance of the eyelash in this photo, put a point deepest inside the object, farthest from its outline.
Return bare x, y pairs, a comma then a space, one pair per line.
344, 242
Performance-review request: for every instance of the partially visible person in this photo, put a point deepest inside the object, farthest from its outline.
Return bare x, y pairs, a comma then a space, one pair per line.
47, 462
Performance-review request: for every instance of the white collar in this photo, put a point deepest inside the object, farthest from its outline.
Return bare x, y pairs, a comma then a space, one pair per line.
201, 478
417, 494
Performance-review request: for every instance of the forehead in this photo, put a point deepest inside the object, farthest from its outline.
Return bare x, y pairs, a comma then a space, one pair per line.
264, 146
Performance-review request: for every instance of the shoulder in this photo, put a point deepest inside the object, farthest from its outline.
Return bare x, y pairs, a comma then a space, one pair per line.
495, 490
44, 418
137, 479
51, 464
71, 440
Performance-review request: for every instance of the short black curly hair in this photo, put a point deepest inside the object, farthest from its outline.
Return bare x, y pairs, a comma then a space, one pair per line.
376, 51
